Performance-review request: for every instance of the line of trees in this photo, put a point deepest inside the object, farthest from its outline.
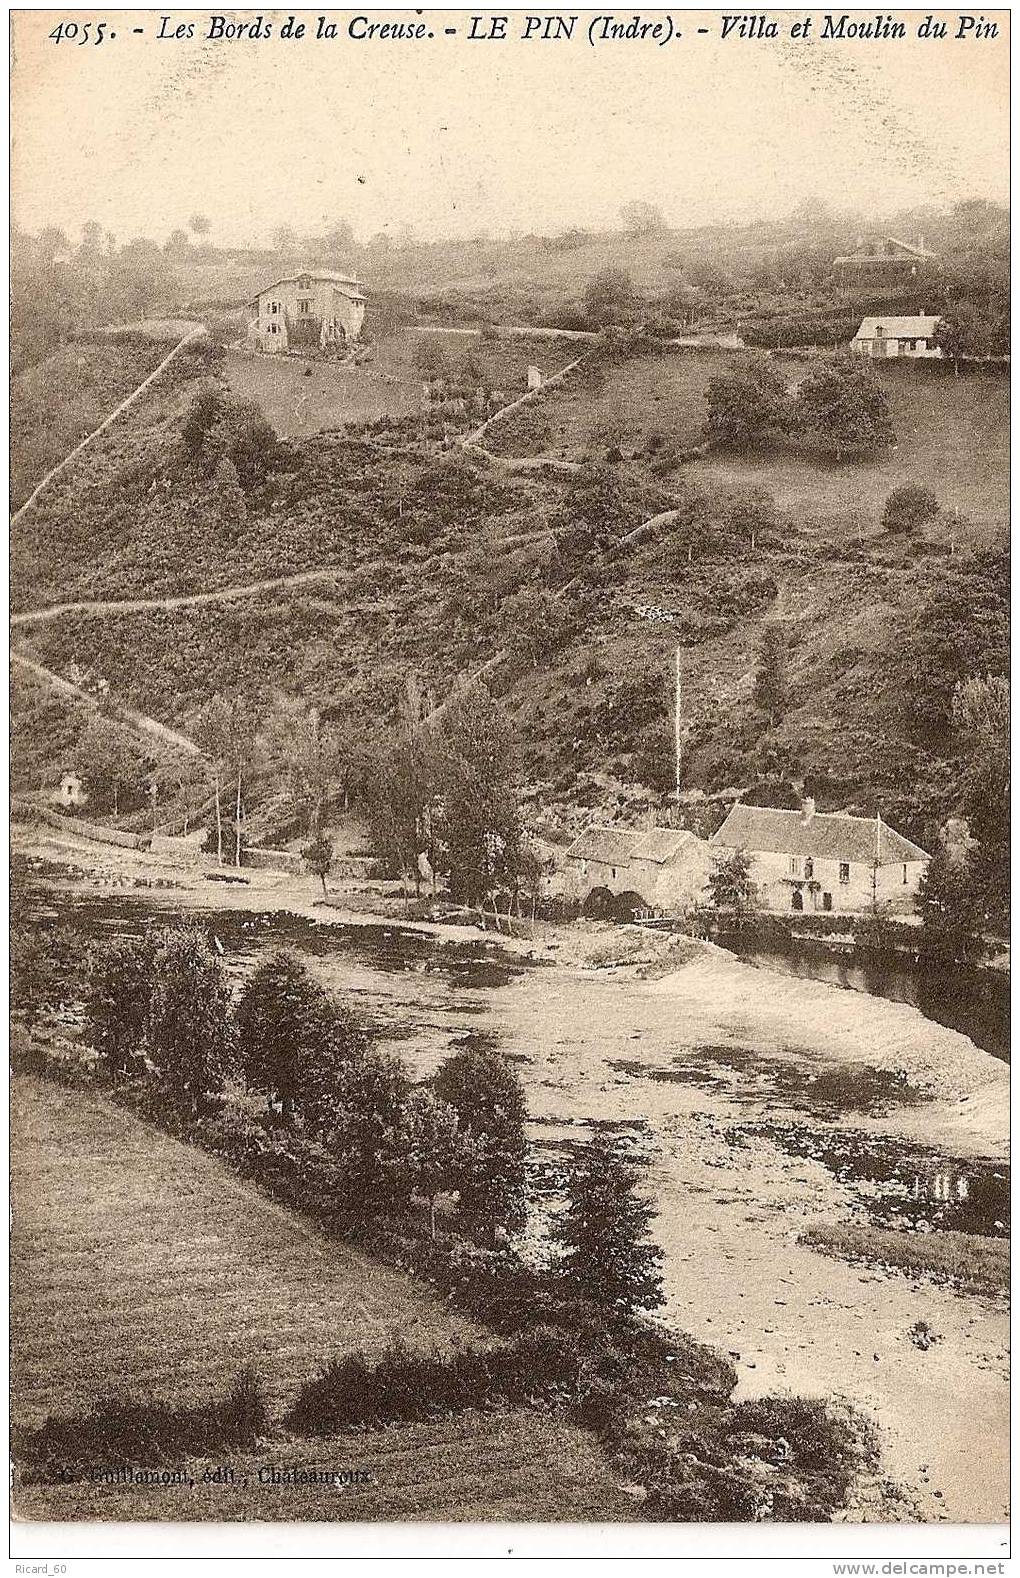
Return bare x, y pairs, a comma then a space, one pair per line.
160, 1008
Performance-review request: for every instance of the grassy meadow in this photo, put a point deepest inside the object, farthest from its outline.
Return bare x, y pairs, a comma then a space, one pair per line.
478, 1467
171, 1274
141, 1266
300, 398
952, 433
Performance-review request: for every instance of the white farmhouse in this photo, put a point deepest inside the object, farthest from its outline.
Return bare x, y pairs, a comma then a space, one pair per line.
808, 860
913, 337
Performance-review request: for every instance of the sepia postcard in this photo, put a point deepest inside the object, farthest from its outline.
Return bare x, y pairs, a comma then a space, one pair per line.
509, 758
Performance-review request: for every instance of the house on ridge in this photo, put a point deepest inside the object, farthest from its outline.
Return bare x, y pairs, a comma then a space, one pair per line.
314, 310
885, 260
810, 860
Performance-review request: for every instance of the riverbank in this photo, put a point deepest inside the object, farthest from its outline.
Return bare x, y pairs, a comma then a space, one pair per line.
766, 1106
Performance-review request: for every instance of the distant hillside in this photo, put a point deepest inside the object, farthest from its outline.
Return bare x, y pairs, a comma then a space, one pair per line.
444, 562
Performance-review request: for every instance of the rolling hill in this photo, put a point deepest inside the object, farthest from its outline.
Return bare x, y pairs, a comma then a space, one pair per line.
443, 560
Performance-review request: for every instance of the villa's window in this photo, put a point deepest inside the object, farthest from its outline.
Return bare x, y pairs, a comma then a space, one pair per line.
303, 305
904, 876
844, 871
809, 867
795, 865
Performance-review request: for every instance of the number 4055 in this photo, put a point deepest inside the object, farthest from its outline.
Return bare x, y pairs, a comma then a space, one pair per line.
79, 33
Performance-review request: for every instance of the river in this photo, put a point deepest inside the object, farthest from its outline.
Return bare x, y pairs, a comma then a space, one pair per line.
760, 1112
961, 997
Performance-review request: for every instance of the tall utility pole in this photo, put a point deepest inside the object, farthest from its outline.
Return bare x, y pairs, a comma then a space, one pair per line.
677, 728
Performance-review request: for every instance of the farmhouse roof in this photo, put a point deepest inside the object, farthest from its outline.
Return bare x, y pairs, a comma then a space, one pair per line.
920, 326
349, 285
882, 249
660, 844
614, 846
827, 835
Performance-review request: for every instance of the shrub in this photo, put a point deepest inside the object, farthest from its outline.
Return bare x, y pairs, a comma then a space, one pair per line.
484, 1090
190, 1037
117, 1004
909, 506
120, 1431
404, 1385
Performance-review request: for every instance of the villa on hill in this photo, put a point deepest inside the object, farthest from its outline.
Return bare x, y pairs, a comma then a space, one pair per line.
315, 310
808, 860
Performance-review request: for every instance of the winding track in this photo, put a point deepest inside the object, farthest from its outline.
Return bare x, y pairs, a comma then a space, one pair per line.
141, 605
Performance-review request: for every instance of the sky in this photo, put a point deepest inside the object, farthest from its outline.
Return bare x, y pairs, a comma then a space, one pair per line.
455, 137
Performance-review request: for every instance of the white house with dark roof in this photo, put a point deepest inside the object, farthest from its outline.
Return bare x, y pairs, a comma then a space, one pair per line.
810, 860
912, 336
310, 311
666, 866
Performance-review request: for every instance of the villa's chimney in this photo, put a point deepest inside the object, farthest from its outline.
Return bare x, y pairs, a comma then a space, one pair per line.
807, 809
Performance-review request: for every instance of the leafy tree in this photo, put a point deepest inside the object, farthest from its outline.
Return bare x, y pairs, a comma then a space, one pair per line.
200, 224
109, 758
770, 689
981, 713
175, 772
609, 297
190, 1037
949, 904
963, 333
484, 1091
476, 780
608, 1257
226, 731
642, 218
366, 1130
748, 405
318, 857
400, 794
751, 518
842, 402
119, 981
909, 506
731, 889
312, 760
279, 1027
433, 1147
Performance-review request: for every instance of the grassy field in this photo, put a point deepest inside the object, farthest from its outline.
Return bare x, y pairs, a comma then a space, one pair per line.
388, 384
55, 403
142, 1266
171, 1274
952, 433
492, 1467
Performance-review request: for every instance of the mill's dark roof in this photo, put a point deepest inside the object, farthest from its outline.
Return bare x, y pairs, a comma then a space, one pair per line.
829, 835
612, 845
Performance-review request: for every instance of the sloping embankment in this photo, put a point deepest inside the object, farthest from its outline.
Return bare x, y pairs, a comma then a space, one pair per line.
969, 1089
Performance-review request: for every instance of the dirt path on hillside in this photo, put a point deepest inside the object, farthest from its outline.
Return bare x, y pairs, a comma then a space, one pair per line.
194, 331
140, 605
